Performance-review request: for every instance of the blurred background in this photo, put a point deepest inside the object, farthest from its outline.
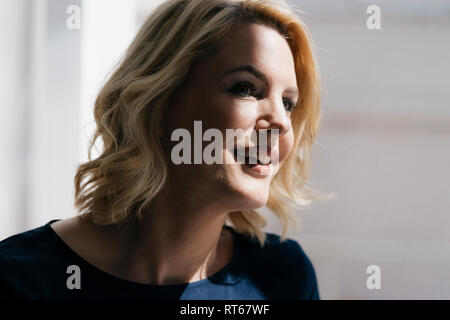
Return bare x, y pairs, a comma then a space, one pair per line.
383, 147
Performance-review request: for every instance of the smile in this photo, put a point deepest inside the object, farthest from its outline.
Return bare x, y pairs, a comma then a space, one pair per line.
256, 161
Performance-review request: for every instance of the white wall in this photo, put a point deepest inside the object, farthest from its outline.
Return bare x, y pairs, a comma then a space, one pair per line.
40, 89
104, 42
54, 112
14, 95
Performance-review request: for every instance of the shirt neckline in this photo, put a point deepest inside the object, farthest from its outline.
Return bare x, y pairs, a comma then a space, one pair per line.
218, 275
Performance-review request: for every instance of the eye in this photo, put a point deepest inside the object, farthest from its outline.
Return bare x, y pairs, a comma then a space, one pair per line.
289, 104
243, 89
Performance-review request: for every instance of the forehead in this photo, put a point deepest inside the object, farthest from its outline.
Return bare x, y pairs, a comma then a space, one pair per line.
257, 45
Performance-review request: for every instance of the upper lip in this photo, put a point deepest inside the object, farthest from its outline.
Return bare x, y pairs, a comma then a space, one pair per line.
250, 151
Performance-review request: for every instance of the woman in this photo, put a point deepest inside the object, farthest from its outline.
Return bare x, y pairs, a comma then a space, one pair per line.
149, 228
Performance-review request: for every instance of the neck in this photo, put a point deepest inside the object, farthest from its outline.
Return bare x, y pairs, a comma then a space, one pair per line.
179, 239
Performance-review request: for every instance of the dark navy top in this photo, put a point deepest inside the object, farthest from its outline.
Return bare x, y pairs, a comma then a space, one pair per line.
36, 265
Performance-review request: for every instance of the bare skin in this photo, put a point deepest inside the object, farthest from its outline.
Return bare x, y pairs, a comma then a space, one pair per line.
181, 237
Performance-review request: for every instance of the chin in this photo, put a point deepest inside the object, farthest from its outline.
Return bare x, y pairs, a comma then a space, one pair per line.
250, 196
246, 190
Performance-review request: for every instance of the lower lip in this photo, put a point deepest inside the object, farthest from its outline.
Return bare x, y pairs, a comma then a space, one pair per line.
260, 169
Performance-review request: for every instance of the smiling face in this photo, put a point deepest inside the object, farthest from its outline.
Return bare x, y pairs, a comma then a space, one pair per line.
249, 84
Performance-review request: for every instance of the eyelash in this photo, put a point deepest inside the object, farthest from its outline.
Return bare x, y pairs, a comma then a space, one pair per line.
239, 89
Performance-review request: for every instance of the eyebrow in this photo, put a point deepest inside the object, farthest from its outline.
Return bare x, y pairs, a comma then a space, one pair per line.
257, 73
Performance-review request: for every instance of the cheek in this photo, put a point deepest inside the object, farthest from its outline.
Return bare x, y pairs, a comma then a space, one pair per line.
286, 144
229, 115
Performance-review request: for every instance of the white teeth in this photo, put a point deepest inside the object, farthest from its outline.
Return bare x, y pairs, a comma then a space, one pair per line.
251, 156
252, 160
264, 160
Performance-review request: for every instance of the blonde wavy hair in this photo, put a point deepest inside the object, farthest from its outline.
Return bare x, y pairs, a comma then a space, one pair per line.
132, 106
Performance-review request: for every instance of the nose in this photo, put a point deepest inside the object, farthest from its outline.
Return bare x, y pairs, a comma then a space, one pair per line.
274, 116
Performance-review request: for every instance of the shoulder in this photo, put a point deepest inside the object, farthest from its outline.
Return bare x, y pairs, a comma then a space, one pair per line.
282, 266
24, 245
23, 256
